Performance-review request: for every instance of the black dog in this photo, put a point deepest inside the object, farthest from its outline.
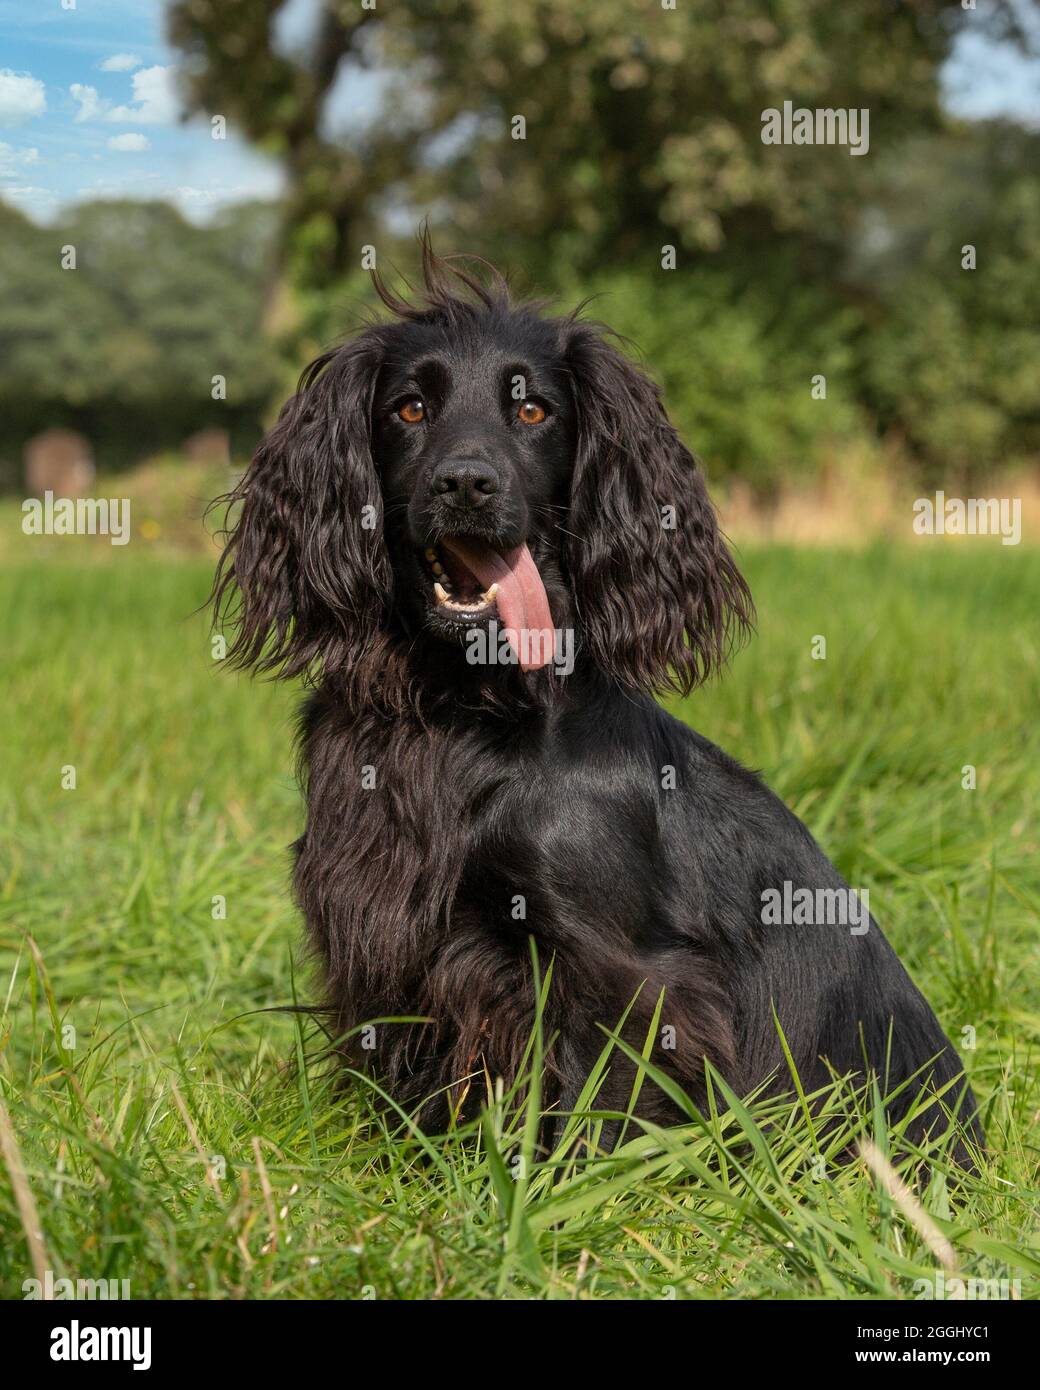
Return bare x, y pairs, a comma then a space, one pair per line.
449, 500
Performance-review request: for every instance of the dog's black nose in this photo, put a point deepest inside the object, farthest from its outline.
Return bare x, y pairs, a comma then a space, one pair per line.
464, 482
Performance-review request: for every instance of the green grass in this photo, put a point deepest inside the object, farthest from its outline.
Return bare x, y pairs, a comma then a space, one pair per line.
176, 1135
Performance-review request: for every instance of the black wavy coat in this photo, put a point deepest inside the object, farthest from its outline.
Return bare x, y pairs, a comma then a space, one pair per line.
455, 810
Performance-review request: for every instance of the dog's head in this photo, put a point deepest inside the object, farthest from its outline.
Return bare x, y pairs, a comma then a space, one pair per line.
473, 466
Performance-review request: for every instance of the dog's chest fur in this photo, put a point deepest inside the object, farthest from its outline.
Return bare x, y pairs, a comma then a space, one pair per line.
433, 857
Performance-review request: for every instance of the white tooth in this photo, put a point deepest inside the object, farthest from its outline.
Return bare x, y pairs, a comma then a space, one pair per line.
489, 595
441, 592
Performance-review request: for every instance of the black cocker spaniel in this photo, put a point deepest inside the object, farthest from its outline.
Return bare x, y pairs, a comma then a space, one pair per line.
477, 534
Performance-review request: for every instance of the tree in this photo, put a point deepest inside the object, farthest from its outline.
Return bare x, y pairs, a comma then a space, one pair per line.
575, 141
642, 124
126, 344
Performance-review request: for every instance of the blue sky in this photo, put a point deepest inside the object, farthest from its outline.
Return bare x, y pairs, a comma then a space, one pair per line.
88, 107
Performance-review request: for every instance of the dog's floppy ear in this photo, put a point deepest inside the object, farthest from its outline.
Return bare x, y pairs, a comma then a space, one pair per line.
658, 593
307, 554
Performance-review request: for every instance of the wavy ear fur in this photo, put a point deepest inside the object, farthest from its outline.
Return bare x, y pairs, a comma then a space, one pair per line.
308, 561
660, 598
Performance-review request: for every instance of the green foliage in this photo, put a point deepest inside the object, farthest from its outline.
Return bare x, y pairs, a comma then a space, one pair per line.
642, 130
185, 790
126, 343
735, 373
955, 361
643, 123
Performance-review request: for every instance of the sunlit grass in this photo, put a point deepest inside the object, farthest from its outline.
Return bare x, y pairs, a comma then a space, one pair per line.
178, 1134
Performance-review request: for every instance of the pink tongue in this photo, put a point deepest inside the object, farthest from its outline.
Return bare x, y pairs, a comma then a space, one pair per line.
521, 600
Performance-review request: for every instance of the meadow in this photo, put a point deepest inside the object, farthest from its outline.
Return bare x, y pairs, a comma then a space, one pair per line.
169, 1122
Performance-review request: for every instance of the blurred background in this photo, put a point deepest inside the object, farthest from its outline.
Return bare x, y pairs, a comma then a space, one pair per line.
219, 167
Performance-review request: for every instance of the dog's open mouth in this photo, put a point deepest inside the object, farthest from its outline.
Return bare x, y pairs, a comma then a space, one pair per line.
473, 583
456, 588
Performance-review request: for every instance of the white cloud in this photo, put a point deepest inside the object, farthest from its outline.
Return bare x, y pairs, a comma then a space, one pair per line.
199, 201
12, 159
155, 100
295, 26
36, 201
120, 62
187, 196
90, 104
131, 142
21, 96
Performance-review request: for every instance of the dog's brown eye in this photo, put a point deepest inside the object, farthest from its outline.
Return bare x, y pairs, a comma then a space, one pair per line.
531, 413
412, 412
